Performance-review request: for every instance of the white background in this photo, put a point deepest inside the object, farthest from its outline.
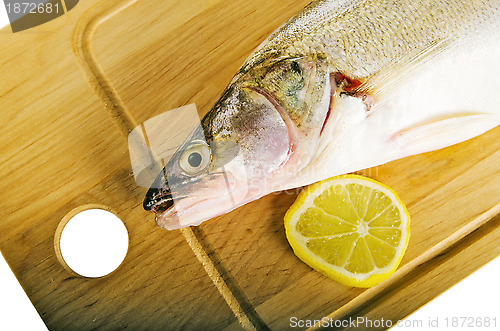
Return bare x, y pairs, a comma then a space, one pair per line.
476, 296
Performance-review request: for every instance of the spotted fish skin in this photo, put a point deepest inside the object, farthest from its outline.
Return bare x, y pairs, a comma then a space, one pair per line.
342, 86
360, 38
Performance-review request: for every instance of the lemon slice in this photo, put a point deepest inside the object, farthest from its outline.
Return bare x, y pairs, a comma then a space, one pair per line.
350, 228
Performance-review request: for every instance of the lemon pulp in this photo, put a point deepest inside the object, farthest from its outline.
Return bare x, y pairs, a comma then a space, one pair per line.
351, 228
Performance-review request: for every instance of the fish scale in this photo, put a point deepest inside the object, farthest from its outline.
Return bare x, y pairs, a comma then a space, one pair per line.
362, 37
342, 86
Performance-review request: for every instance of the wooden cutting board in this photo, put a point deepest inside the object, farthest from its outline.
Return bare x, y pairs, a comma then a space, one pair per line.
72, 89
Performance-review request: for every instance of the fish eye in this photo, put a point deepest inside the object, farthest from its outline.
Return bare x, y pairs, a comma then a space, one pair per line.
195, 158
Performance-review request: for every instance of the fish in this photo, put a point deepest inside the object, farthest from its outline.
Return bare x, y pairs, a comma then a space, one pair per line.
342, 86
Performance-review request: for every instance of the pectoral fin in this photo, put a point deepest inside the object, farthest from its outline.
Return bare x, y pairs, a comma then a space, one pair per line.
402, 69
444, 132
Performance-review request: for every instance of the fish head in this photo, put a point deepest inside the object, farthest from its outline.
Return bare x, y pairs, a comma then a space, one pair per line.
192, 182
242, 146
220, 166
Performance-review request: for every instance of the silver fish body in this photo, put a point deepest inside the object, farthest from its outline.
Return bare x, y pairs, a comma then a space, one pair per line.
342, 86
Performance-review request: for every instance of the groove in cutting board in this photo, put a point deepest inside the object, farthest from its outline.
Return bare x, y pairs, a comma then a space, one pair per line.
475, 246
465, 236
265, 269
236, 299
82, 49
218, 273
248, 240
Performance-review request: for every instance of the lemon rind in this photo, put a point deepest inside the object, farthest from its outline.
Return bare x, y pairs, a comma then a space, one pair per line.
297, 241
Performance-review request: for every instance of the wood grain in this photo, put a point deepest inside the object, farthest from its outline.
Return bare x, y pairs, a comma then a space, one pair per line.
62, 150
107, 66
428, 279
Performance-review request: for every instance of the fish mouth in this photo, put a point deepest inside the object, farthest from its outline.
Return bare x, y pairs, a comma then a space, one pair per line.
173, 218
158, 200
201, 201
160, 203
